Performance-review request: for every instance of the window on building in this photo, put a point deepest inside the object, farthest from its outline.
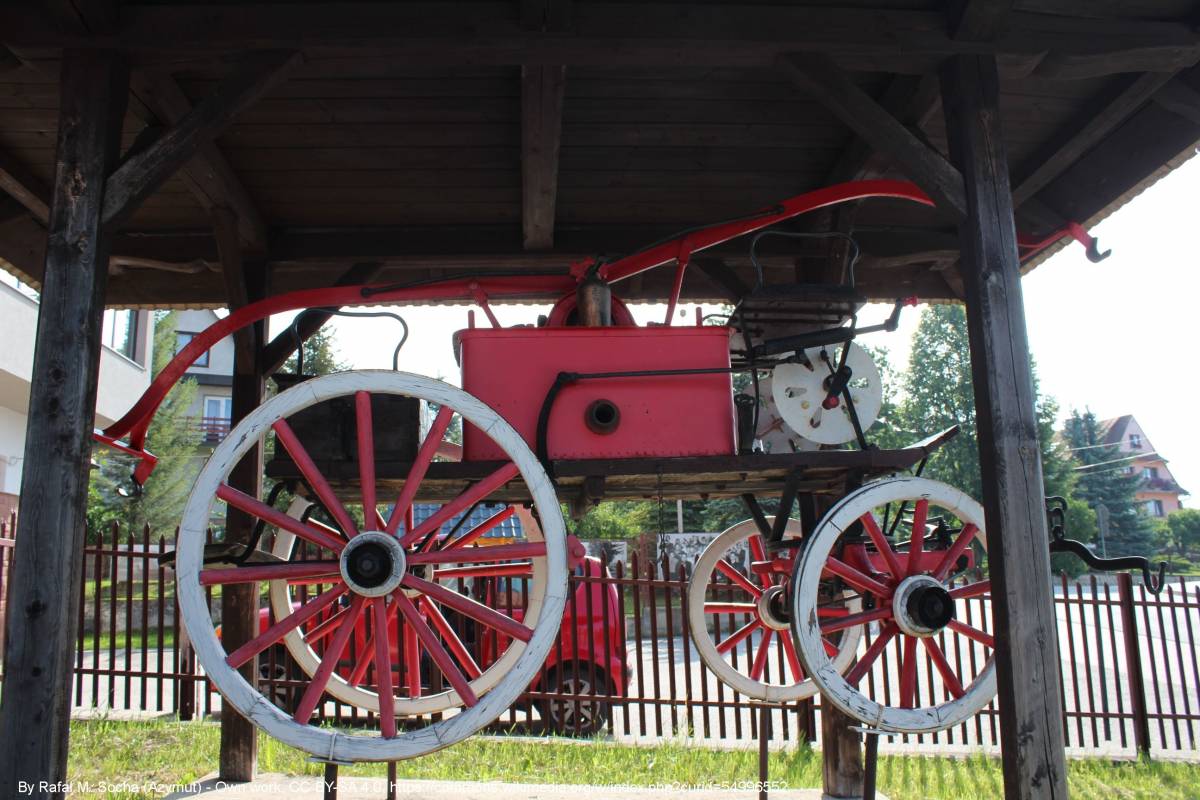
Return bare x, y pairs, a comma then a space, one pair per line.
1135, 440
182, 340
1154, 508
119, 332
216, 407
217, 412
1150, 473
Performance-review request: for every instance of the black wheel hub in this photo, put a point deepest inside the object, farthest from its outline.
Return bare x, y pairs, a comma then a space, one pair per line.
369, 564
931, 607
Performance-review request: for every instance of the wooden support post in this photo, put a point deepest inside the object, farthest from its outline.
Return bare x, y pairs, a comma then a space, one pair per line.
841, 754
245, 283
1027, 663
45, 578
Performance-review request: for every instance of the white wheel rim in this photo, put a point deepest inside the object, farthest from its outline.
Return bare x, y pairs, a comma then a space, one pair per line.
824, 673
335, 745
706, 647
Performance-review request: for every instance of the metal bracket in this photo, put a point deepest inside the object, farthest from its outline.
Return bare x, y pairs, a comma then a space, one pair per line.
1056, 519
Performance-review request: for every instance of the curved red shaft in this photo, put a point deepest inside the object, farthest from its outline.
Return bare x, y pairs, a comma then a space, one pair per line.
137, 419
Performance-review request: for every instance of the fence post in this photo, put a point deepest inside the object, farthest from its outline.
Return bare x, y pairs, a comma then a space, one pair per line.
1133, 660
185, 689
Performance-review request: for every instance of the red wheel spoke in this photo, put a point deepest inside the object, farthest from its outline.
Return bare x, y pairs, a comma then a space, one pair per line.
729, 571
479, 530
442, 658
830, 611
971, 590
861, 618
760, 658
730, 608
412, 661
501, 552
831, 649
473, 494
364, 660
446, 631
972, 633
868, 658
420, 465
308, 468
269, 572
383, 668
737, 637
920, 515
908, 672
366, 459
472, 608
519, 569
326, 626
320, 679
960, 544
859, 580
273, 516
882, 544
953, 685
793, 658
281, 628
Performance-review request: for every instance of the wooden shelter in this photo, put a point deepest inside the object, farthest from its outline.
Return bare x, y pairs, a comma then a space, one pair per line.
160, 154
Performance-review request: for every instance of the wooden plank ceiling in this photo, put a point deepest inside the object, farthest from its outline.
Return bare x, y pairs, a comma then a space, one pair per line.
442, 138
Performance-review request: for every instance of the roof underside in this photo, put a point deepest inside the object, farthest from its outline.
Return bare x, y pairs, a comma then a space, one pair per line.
401, 138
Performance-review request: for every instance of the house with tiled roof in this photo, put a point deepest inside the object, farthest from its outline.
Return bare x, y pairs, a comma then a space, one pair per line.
1159, 493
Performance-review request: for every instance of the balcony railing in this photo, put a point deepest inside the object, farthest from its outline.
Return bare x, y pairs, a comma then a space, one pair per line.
212, 429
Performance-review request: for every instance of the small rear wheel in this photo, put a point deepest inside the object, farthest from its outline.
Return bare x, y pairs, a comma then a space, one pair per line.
583, 708
915, 551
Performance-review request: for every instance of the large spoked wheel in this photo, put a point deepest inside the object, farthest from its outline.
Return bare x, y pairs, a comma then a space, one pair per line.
925, 587
371, 578
738, 606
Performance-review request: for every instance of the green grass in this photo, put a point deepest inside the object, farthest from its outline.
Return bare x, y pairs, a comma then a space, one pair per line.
165, 752
133, 637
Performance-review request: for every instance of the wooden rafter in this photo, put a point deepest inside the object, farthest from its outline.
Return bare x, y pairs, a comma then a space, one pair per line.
208, 175
912, 100
1083, 133
23, 187
667, 34
821, 79
979, 20
139, 177
87, 17
542, 90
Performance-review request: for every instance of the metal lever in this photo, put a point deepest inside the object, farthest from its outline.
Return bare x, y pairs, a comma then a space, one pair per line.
1056, 516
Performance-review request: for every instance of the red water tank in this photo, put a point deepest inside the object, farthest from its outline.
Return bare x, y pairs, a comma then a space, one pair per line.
512, 369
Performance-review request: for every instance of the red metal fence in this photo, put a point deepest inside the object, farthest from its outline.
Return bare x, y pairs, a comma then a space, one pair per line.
1130, 677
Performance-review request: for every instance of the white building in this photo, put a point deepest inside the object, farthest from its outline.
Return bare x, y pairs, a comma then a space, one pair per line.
125, 361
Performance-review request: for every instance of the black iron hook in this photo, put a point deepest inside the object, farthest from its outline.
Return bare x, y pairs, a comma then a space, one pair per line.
1056, 513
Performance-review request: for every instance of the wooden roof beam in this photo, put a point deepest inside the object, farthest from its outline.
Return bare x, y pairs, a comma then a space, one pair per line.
208, 175
23, 187
660, 34
926, 167
142, 175
542, 89
1083, 133
912, 100
87, 17
978, 20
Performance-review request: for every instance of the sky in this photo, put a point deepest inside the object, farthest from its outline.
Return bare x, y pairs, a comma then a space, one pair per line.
1118, 337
